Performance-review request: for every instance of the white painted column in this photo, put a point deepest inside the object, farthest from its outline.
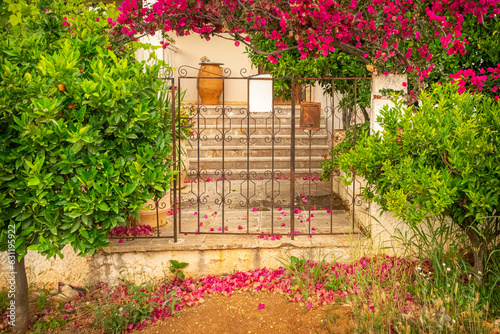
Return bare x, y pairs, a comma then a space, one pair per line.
384, 226
392, 81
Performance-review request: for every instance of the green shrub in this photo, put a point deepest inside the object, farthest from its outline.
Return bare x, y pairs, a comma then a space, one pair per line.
439, 160
84, 137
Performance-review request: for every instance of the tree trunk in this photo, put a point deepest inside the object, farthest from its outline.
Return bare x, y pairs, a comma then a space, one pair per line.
478, 250
365, 114
21, 298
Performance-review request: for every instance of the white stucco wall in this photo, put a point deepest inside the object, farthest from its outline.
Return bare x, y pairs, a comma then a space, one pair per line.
189, 50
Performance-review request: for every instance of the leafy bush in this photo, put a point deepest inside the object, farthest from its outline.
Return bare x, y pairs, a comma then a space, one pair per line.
330, 165
84, 137
439, 160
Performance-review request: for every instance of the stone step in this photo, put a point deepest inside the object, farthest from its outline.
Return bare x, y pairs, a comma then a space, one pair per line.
256, 162
261, 140
213, 132
243, 117
239, 173
255, 151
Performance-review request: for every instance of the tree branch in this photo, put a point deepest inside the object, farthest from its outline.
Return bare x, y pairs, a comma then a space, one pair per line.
254, 48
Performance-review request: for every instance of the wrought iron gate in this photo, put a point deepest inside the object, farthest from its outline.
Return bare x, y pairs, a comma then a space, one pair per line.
256, 173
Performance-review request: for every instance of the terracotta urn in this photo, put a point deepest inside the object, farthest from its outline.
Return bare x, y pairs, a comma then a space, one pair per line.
148, 216
209, 83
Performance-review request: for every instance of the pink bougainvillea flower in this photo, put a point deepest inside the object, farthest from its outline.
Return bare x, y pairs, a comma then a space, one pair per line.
220, 228
309, 305
282, 224
211, 229
195, 213
313, 207
120, 241
283, 213
280, 208
254, 209
226, 228
328, 211
240, 227
201, 223
205, 216
261, 306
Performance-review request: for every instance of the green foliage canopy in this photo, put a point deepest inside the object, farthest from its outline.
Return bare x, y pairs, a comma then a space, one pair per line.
440, 160
84, 137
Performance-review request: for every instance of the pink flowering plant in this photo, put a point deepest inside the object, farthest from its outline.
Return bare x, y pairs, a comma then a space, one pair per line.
382, 34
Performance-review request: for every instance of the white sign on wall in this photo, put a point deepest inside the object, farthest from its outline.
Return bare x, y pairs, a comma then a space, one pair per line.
261, 93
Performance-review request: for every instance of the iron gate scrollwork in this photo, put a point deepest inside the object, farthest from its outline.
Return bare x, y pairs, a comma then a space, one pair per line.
257, 173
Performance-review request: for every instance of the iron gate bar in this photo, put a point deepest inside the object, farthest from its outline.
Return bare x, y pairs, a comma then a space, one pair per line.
177, 197
355, 137
174, 157
273, 115
223, 197
292, 164
248, 156
333, 144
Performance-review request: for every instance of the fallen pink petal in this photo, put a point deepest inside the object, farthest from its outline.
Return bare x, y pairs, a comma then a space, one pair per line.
261, 306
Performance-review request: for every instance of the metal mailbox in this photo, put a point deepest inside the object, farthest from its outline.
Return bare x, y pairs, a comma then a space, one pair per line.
310, 115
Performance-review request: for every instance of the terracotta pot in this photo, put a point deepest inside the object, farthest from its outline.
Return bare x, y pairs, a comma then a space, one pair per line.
280, 100
148, 216
210, 90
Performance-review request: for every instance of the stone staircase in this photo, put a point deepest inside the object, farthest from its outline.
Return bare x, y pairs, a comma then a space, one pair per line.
206, 154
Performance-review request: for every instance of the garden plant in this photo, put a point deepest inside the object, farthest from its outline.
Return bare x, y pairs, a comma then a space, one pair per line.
84, 137
439, 159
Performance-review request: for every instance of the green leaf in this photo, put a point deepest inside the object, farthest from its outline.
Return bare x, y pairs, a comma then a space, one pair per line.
103, 206
34, 181
33, 247
15, 19
77, 147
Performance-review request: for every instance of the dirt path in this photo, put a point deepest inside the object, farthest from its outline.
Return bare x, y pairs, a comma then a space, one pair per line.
240, 314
